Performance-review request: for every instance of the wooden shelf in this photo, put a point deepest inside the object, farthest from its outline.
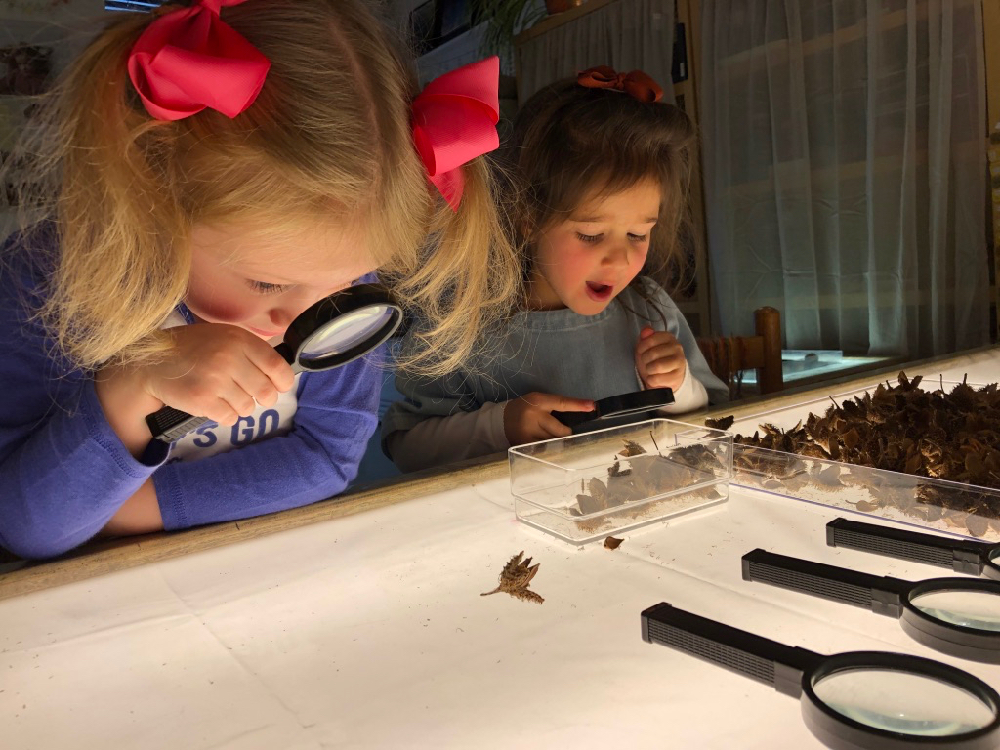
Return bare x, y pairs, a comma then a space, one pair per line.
552, 22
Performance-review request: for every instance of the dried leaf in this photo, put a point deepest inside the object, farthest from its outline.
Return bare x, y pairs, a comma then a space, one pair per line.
976, 525
723, 423
515, 579
631, 448
615, 470
612, 542
899, 427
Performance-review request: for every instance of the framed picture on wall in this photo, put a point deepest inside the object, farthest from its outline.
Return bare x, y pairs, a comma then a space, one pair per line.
24, 69
24, 73
454, 18
423, 27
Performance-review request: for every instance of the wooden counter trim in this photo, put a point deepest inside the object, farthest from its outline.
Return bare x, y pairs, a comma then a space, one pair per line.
120, 554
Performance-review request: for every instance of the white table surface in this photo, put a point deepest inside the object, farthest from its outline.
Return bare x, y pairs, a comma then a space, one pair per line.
369, 631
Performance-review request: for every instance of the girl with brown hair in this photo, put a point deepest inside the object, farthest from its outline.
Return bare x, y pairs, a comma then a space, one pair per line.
602, 170
201, 177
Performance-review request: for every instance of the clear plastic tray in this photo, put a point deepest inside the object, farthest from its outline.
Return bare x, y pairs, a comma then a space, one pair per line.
572, 488
955, 507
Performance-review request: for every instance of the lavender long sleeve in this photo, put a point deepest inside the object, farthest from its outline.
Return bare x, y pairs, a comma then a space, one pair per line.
64, 472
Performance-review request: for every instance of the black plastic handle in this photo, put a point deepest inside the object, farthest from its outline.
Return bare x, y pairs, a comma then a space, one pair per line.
961, 555
622, 405
760, 659
881, 594
169, 424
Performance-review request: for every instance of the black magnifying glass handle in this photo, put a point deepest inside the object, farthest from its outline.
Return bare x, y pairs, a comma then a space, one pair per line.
169, 424
621, 405
883, 595
961, 555
854, 700
750, 655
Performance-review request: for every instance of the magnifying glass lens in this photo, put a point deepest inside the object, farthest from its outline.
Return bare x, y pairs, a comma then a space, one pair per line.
971, 609
346, 331
905, 702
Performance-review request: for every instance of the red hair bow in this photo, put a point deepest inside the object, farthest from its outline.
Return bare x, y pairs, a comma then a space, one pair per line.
635, 83
190, 59
454, 121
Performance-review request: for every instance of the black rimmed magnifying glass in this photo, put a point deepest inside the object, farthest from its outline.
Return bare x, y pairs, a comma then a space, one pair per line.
613, 407
336, 330
956, 616
856, 700
961, 555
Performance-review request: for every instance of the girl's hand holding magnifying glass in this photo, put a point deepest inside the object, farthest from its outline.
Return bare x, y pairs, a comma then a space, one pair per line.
529, 418
213, 369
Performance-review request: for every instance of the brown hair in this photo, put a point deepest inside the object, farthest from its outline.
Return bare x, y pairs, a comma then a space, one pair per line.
570, 143
328, 139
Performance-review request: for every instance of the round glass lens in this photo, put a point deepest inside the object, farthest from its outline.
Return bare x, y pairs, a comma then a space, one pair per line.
905, 702
346, 331
979, 610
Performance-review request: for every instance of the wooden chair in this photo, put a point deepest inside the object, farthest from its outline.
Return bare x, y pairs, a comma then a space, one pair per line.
729, 355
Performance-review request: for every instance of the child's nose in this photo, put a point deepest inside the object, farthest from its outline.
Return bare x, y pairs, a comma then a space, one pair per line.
282, 317
616, 254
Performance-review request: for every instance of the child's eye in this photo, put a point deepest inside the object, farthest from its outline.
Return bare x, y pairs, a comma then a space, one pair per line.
638, 237
264, 287
588, 237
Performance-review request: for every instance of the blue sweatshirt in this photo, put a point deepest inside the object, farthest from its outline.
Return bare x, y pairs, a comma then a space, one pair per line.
64, 472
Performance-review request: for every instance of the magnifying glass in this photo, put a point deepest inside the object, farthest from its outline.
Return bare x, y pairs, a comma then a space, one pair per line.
336, 330
961, 555
957, 616
618, 406
852, 700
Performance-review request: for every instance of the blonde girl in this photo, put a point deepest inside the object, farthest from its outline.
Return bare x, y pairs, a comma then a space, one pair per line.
198, 178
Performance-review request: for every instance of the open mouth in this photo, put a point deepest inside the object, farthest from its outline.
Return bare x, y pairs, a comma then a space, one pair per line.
599, 291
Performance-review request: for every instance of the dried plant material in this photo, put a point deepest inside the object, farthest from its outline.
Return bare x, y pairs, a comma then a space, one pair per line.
515, 579
615, 470
899, 428
632, 448
648, 475
612, 542
720, 424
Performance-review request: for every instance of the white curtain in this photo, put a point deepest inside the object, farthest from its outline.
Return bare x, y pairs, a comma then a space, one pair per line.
627, 35
844, 153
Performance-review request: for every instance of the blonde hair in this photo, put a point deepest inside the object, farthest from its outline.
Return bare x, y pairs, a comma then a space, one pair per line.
328, 139
571, 143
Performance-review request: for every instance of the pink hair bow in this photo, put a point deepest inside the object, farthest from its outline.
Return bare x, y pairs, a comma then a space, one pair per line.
454, 121
190, 59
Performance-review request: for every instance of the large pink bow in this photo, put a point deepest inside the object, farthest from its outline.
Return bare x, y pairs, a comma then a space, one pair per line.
454, 121
190, 59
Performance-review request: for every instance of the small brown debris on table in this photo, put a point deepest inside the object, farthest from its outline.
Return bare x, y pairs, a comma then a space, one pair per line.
612, 542
516, 577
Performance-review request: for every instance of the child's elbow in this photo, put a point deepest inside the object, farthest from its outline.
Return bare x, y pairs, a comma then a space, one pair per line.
36, 543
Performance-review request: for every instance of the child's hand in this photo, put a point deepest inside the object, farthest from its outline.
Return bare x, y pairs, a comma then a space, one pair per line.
217, 371
660, 359
529, 418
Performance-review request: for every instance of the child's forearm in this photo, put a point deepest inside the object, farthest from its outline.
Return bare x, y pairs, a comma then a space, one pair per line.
690, 396
64, 477
125, 406
442, 440
140, 514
